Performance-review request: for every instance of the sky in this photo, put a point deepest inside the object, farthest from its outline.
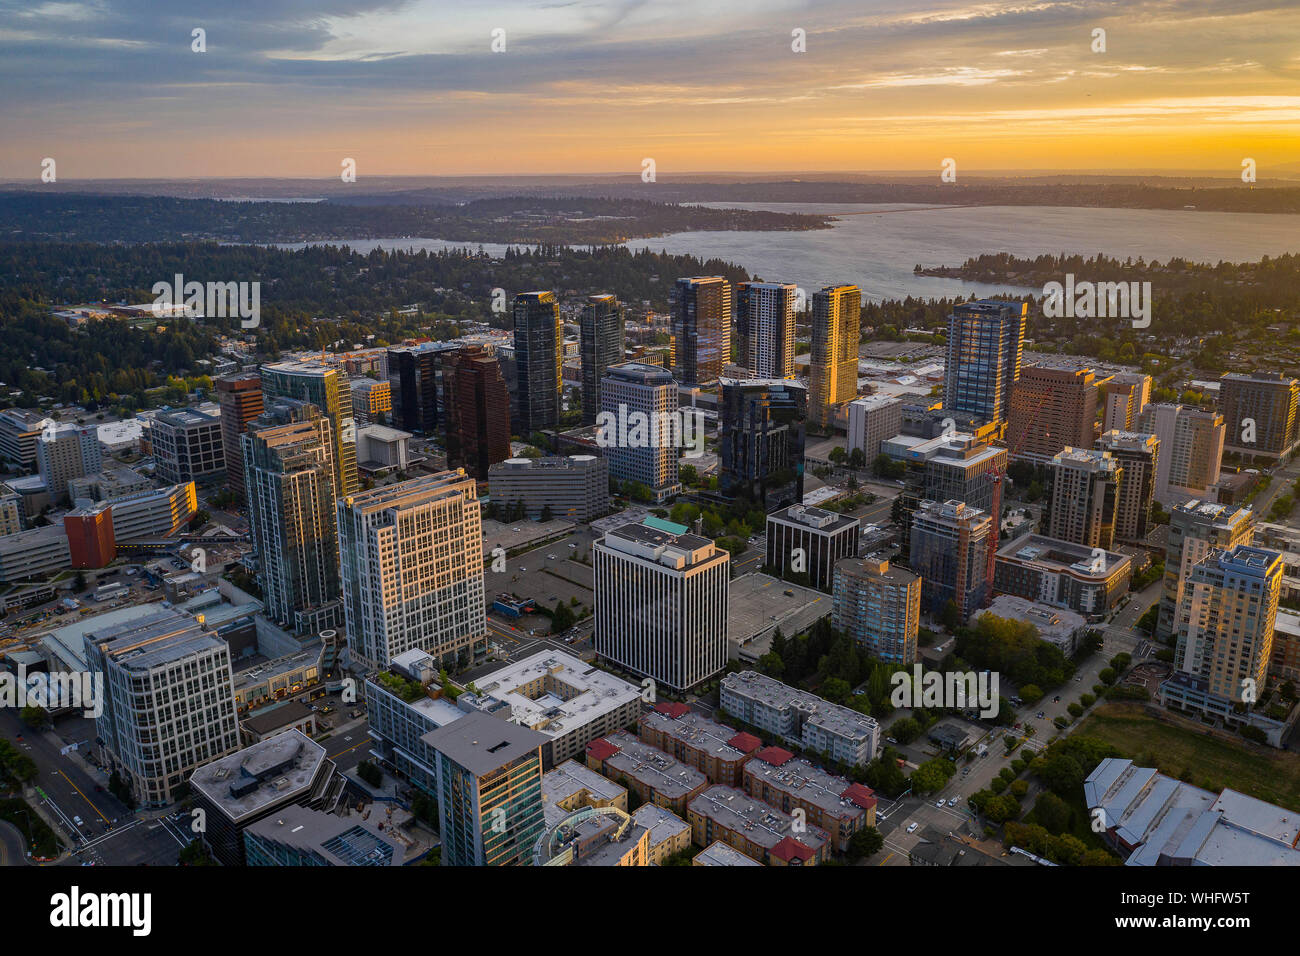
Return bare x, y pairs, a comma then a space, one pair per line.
292, 88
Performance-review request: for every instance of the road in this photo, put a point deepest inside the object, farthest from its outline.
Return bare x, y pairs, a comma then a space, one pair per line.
13, 848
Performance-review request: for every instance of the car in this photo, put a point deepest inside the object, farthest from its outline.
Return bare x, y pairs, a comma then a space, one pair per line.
572, 545
965, 770
911, 827
78, 821
354, 714
1056, 699
952, 802
890, 740
1040, 715
550, 557
939, 803
523, 568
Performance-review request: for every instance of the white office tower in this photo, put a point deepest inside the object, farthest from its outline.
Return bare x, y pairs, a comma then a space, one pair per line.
64, 452
765, 328
661, 603
412, 568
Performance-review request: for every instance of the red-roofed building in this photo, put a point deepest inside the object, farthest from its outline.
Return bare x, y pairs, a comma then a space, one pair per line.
829, 801
862, 795
790, 852
774, 755
716, 750
745, 743
673, 710
598, 751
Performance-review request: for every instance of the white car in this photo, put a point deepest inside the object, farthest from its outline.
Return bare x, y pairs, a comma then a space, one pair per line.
952, 802
911, 828
939, 804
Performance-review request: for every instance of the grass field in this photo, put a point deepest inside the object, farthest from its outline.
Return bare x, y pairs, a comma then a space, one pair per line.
1214, 764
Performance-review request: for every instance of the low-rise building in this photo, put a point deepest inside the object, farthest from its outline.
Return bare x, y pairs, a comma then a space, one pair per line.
716, 750
34, 553
801, 718
756, 829
1058, 626
1156, 820
789, 783
252, 784
573, 488
655, 777
669, 833
572, 786
1063, 574
720, 854
298, 836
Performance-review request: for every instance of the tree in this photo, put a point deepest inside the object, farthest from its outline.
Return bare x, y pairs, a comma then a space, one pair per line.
838, 455
547, 514
866, 842
562, 619
38, 718
932, 775
950, 616
905, 730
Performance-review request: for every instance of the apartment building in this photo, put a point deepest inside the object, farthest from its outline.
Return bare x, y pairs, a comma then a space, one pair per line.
64, 452
1063, 574
412, 570
765, 328
1191, 450
828, 801
833, 357
327, 389
756, 829
1195, 529
1085, 495
949, 544
801, 718
655, 777
637, 389
872, 420
489, 787
1260, 413
1139, 456
879, 606
701, 320
716, 750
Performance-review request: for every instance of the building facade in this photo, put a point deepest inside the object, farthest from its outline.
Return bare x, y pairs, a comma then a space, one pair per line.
412, 570
806, 540
761, 434
327, 389
240, 397
949, 550
539, 341
985, 342
879, 606
600, 333
661, 604
765, 328
1085, 497
833, 358
700, 310
572, 488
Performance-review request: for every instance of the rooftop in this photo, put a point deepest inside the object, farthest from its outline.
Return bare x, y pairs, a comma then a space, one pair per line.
695, 730
737, 811
637, 760
274, 770
481, 743
718, 853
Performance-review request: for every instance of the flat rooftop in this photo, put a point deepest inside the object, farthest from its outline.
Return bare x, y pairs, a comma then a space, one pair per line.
662, 824
639, 761
718, 853
272, 771
154, 639
835, 795
697, 731
551, 692
737, 811
757, 604
482, 743
570, 779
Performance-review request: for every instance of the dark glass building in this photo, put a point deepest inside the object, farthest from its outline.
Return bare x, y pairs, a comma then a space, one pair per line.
762, 438
539, 341
601, 344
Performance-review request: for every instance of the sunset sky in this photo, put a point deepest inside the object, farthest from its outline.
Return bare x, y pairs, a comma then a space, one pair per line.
111, 88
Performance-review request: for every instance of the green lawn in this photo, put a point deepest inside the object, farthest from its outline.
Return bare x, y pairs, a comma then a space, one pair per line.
1214, 763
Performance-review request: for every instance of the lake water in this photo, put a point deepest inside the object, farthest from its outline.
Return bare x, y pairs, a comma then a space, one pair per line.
877, 246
